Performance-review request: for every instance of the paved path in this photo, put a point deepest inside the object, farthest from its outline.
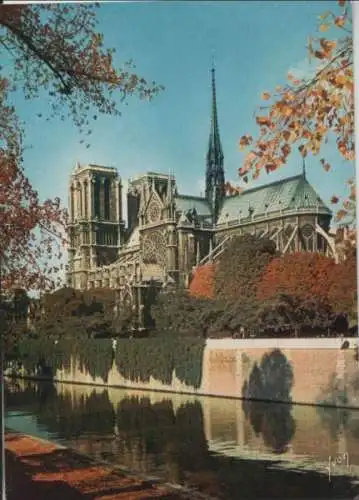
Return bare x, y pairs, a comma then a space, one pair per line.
39, 470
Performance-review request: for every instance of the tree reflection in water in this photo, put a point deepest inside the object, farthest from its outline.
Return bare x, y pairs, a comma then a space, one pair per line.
169, 442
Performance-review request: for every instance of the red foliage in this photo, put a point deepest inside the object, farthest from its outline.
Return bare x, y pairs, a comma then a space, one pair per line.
301, 275
343, 287
25, 256
202, 284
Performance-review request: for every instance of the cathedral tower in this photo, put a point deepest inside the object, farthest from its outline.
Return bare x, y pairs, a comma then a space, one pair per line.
95, 224
215, 182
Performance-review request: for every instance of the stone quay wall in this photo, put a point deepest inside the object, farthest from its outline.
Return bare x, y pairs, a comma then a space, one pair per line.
308, 371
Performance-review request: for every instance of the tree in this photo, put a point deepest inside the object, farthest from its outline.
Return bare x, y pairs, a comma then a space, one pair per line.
301, 274
294, 291
241, 266
237, 274
177, 313
71, 312
308, 112
343, 288
54, 49
286, 314
202, 284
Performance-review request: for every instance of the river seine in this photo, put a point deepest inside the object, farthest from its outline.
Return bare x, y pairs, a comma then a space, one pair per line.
223, 448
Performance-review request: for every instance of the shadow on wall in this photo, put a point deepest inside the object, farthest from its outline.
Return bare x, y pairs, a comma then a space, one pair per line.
271, 380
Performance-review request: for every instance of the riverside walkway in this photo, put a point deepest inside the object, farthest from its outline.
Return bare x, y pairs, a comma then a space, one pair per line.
40, 470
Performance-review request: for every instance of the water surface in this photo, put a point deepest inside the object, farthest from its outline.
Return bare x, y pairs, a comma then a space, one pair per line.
227, 449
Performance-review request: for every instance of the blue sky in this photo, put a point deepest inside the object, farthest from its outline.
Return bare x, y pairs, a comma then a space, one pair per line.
255, 45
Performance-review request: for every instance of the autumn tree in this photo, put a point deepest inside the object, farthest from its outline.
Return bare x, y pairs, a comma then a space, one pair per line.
300, 274
202, 283
294, 287
343, 288
306, 113
53, 50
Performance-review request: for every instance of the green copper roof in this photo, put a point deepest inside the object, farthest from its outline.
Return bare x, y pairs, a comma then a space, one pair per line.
186, 203
284, 195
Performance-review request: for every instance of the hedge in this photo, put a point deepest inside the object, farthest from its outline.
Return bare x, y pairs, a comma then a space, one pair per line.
136, 359
94, 356
140, 359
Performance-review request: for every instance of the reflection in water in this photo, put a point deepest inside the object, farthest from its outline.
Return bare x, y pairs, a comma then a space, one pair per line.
273, 421
211, 444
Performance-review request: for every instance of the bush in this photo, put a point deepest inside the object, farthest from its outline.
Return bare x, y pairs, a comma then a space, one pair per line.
141, 359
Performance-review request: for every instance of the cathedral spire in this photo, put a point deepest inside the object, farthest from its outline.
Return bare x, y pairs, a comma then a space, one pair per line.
215, 182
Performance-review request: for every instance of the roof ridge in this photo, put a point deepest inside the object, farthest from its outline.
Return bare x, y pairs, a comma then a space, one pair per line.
270, 184
188, 196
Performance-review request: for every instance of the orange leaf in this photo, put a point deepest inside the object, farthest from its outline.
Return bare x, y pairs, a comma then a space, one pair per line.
263, 120
242, 171
266, 96
319, 55
339, 21
326, 167
341, 214
324, 27
244, 141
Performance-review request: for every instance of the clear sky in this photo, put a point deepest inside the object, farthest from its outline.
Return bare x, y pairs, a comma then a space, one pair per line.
255, 44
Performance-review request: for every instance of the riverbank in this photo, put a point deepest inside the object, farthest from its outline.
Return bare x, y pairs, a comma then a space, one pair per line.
39, 470
313, 371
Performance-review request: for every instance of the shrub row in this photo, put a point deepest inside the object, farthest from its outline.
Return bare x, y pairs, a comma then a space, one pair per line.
136, 359
45, 356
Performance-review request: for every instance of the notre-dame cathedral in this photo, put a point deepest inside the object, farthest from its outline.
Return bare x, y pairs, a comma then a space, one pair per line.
168, 234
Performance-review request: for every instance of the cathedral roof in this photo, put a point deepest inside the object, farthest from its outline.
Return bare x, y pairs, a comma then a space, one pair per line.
291, 194
185, 203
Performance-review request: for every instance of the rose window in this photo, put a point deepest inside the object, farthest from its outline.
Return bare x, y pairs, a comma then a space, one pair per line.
154, 248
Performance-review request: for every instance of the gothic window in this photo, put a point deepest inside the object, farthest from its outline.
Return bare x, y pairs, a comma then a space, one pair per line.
154, 212
97, 198
106, 188
154, 248
287, 233
307, 234
80, 200
85, 199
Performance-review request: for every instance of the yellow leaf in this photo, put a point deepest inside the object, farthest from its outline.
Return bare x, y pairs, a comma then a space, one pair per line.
324, 27
266, 96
